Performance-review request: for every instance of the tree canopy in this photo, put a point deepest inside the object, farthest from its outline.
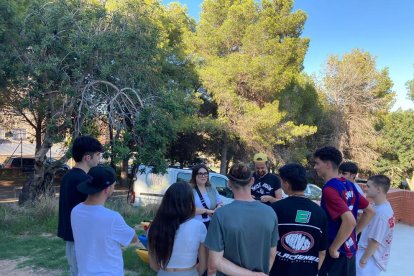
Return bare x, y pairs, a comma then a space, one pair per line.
358, 94
248, 53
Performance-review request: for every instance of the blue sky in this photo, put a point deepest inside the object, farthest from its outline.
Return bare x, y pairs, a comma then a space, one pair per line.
384, 28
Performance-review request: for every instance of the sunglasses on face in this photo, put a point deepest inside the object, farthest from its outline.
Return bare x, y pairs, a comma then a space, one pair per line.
202, 174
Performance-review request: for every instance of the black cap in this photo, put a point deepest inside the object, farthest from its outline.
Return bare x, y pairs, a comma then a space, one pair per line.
101, 177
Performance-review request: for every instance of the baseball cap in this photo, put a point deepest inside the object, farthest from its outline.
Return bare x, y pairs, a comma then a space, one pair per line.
260, 157
100, 177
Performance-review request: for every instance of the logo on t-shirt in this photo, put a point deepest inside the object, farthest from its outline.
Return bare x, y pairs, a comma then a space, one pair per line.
297, 241
302, 216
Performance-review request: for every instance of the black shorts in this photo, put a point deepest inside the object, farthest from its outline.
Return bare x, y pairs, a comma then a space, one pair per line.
343, 266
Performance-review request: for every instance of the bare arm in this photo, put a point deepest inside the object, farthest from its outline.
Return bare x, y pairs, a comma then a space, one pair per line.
371, 248
202, 259
216, 262
368, 214
134, 239
200, 211
322, 255
271, 199
347, 226
272, 256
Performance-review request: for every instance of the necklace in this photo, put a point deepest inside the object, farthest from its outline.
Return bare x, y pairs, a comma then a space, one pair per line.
298, 195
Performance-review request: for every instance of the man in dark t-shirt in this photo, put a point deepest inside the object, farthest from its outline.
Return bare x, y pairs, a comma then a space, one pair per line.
302, 227
86, 151
266, 187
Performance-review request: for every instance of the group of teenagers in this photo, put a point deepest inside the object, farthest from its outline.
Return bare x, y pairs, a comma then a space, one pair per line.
260, 232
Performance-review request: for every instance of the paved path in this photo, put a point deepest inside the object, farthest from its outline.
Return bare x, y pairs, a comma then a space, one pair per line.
402, 252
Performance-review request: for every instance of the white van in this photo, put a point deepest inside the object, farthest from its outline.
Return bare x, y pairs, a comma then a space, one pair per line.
149, 188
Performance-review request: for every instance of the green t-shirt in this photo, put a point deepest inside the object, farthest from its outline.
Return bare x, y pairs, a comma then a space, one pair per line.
245, 231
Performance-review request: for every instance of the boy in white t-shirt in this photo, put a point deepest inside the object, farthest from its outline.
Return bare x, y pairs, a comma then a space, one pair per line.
375, 243
99, 232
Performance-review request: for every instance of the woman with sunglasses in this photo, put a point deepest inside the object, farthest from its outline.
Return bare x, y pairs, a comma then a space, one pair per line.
206, 197
175, 238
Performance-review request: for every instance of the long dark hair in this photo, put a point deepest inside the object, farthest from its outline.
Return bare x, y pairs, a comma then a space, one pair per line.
193, 181
176, 207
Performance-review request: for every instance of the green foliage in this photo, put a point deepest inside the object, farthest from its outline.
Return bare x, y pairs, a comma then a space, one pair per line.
248, 54
29, 232
398, 153
358, 94
38, 251
410, 88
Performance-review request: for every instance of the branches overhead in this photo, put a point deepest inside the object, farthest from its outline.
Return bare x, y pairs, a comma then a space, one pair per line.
104, 99
358, 94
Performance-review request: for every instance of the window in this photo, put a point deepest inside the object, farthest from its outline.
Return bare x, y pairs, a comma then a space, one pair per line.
183, 177
19, 133
218, 182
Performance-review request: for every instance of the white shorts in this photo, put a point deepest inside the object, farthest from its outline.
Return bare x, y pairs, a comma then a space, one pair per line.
370, 269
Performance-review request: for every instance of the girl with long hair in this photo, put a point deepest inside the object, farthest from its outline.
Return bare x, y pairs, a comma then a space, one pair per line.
206, 197
175, 238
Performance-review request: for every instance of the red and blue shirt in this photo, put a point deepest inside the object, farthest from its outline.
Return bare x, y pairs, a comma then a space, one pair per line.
339, 196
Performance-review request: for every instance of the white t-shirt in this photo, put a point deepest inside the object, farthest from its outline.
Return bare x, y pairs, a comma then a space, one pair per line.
198, 203
187, 241
380, 229
99, 234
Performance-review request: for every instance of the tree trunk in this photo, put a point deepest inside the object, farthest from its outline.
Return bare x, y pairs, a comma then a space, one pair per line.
124, 172
41, 184
223, 156
38, 135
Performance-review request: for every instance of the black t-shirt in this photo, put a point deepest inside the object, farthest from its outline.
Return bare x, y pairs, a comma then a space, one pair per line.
303, 233
266, 185
69, 197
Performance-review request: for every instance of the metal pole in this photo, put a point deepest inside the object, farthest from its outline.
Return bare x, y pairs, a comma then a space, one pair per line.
21, 151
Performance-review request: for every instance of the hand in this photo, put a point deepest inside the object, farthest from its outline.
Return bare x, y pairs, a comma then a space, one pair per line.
259, 274
266, 198
209, 212
362, 263
218, 206
334, 253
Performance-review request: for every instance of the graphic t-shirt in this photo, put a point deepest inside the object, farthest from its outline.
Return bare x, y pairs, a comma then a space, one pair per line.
266, 185
303, 233
339, 196
380, 229
245, 231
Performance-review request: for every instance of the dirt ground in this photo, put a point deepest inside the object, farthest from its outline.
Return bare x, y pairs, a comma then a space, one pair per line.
9, 267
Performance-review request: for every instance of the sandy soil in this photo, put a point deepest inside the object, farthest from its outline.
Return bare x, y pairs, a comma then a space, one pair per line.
9, 268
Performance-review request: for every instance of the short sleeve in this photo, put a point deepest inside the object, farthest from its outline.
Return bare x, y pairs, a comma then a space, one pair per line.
275, 233
121, 232
277, 184
218, 197
335, 205
214, 240
363, 202
378, 229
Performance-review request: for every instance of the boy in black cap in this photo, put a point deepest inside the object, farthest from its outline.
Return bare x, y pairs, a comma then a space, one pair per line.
99, 232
